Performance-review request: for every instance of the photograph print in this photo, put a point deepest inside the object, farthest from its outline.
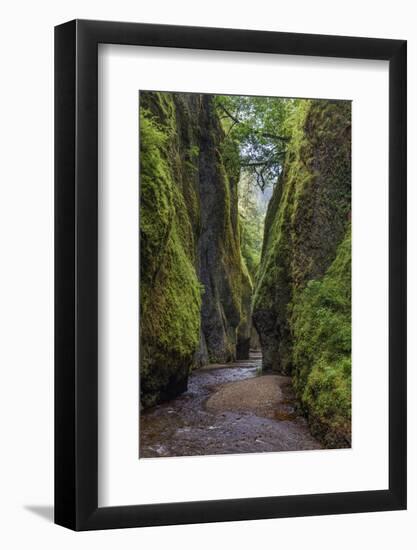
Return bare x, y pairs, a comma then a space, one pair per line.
245, 274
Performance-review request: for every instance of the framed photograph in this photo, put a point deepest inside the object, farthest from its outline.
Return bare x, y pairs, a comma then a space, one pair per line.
230, 252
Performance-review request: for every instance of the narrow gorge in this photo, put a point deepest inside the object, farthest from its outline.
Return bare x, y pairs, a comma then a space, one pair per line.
245, 274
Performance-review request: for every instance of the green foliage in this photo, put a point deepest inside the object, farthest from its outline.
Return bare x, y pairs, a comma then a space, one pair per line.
279, 230
255, 124
252, 215
322, 350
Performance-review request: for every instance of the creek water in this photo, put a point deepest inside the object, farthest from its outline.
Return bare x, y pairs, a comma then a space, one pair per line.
186, 426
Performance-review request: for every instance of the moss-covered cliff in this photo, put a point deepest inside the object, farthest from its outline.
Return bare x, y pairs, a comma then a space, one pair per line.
220, 266
302, 295
321, 323
194, 288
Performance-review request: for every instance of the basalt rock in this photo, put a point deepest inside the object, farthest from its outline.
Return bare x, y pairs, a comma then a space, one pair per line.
302, 302
195, 290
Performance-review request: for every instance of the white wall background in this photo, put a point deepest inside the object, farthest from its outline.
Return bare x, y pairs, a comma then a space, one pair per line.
26, 289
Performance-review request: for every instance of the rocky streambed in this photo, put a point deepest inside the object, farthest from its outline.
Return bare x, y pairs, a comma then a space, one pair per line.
228, 408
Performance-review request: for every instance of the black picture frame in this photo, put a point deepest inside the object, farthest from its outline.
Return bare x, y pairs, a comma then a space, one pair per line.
76, 272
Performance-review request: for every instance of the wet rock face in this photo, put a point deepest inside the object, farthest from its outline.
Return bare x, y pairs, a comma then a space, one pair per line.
268, 330
302, 301
217, 241
306, 221
195, 293
255, 343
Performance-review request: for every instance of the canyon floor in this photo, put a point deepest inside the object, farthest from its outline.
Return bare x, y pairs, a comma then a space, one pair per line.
228, 409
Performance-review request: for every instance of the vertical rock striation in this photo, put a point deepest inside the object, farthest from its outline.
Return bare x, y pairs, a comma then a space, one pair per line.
303, 283
220, 266
195, 289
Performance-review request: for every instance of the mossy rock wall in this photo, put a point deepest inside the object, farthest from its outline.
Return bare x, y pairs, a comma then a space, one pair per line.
307, 220
193, 283
321, 326
220, 265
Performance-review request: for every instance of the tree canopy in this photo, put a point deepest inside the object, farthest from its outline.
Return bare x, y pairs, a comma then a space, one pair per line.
257, 124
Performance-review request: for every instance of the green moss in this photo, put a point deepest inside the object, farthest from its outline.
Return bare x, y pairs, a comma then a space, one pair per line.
184, 241
245, 324
302, 297
321, 323
277, 245
307, 214
230, 249
170, 293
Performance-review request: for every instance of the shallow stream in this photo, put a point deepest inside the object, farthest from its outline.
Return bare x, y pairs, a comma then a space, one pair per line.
186, 426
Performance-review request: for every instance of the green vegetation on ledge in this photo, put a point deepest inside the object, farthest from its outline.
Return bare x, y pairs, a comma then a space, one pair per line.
306, 222
208, 166
195, 291
322, 350
170, 290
